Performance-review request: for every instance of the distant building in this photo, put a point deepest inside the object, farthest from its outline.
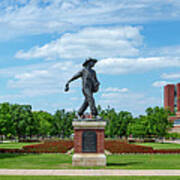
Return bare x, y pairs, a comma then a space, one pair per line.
172, 102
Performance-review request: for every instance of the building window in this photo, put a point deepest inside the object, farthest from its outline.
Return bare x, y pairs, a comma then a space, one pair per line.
175, 99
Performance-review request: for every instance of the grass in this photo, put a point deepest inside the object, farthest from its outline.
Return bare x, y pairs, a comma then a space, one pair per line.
63, 161
88, 178
161, 145
15, 145
144, 161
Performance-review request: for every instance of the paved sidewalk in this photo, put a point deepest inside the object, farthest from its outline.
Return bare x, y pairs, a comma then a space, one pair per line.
173, 142
77, 172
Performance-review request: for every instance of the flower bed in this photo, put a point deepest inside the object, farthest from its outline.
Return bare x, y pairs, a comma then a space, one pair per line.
61, 146
113, 146
166, 151
117, 146
3, 150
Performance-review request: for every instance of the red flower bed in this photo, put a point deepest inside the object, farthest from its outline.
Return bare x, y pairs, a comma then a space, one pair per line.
117, 146
166, 151
61, 146
11, 150
114, 146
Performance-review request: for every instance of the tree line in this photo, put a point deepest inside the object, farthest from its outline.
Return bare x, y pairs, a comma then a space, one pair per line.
20, 122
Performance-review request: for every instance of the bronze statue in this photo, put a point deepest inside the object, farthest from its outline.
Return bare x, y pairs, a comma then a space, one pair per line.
90, 85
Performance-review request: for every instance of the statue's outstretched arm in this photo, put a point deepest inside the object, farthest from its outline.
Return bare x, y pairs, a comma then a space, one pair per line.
76, 76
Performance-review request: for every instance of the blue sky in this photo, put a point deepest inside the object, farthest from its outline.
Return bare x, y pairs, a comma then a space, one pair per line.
44, 42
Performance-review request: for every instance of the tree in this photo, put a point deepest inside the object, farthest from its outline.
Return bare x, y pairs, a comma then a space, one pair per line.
154, 124
117, 123
62, 123
124, 118
19, 121
138, 127
158, 124
6, 122
23, 120
44, 121
110, 116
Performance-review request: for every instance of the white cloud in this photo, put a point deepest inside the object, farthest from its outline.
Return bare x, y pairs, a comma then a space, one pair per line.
161, 83
41, 79
50, 78
33, 74
170, 76
168, 51
134, 102
19, 18
111, 89
137, 65
95, 42
74, 99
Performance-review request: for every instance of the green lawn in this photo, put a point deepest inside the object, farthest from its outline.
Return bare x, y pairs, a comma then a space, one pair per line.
15, 145
87, 178
63, 161
161, 145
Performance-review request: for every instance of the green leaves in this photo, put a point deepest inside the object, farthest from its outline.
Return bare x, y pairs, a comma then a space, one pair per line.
154, 124
20, 121
62, 123
117, 123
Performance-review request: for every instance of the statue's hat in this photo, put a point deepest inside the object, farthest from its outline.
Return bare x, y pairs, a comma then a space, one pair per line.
89, 60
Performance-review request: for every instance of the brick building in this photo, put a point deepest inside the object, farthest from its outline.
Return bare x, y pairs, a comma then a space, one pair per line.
172, 102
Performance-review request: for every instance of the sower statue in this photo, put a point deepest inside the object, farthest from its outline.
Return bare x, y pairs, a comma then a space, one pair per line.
90, 85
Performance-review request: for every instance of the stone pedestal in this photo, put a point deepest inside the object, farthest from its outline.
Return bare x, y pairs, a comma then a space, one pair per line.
89, 143
89, 159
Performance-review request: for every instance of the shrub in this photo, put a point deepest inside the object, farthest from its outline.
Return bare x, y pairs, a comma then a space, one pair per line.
29, 140
173, 136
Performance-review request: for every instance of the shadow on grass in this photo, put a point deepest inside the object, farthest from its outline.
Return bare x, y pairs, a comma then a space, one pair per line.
10, 155
123, 164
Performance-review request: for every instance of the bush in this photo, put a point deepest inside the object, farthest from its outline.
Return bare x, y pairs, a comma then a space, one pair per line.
173, 136
29, 140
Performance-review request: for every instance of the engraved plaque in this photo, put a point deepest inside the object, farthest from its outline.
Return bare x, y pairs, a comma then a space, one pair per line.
89, 141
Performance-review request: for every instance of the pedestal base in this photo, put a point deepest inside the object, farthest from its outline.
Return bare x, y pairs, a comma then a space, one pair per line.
89, 143
89, 159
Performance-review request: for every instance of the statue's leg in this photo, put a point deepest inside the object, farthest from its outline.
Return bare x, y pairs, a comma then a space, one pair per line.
83, 107
91, 102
